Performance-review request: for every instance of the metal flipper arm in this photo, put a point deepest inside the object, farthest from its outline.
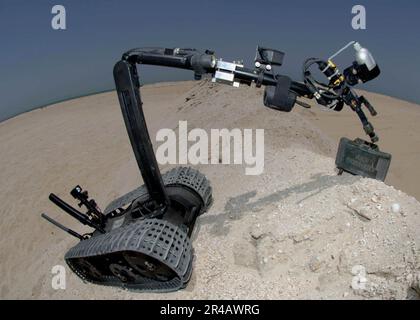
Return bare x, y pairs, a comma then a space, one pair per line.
128, 89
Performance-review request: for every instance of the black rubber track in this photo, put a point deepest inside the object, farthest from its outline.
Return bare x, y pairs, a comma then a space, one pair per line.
155, 238
184, 176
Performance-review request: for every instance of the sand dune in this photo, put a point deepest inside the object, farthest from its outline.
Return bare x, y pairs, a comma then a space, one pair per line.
293, 232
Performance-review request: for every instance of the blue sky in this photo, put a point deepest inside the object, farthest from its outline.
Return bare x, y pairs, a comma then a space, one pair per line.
40, 65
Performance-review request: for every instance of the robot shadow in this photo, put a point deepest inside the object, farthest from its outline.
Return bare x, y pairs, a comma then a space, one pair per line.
236, 207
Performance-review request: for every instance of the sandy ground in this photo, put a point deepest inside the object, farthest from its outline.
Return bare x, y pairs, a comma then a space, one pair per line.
296, 231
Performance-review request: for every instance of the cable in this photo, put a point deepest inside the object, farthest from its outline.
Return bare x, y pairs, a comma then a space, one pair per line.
324, 95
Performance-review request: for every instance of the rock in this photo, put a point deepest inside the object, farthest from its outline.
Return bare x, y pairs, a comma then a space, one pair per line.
363, 212
359, 280
396, 208
416, 284
375, 199
256, 232
301, 237
357, 270
315, 264
358, 283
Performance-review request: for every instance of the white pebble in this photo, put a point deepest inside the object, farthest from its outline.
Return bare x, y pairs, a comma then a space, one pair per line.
396, 208
357, 270
362, 279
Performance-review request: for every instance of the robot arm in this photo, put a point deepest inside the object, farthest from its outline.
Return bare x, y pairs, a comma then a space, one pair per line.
281, 92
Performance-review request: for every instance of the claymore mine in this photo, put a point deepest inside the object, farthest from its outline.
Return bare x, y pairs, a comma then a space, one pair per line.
142, 240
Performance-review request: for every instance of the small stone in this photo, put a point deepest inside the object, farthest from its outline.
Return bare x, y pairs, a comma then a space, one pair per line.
345, 294
358, 269
366, 213
416, 283
409, 278
301, 237
358, 283
396, 208
362, 279
256, 232
315, 264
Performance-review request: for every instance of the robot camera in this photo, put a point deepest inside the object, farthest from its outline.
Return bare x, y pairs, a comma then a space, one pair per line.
268, 56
